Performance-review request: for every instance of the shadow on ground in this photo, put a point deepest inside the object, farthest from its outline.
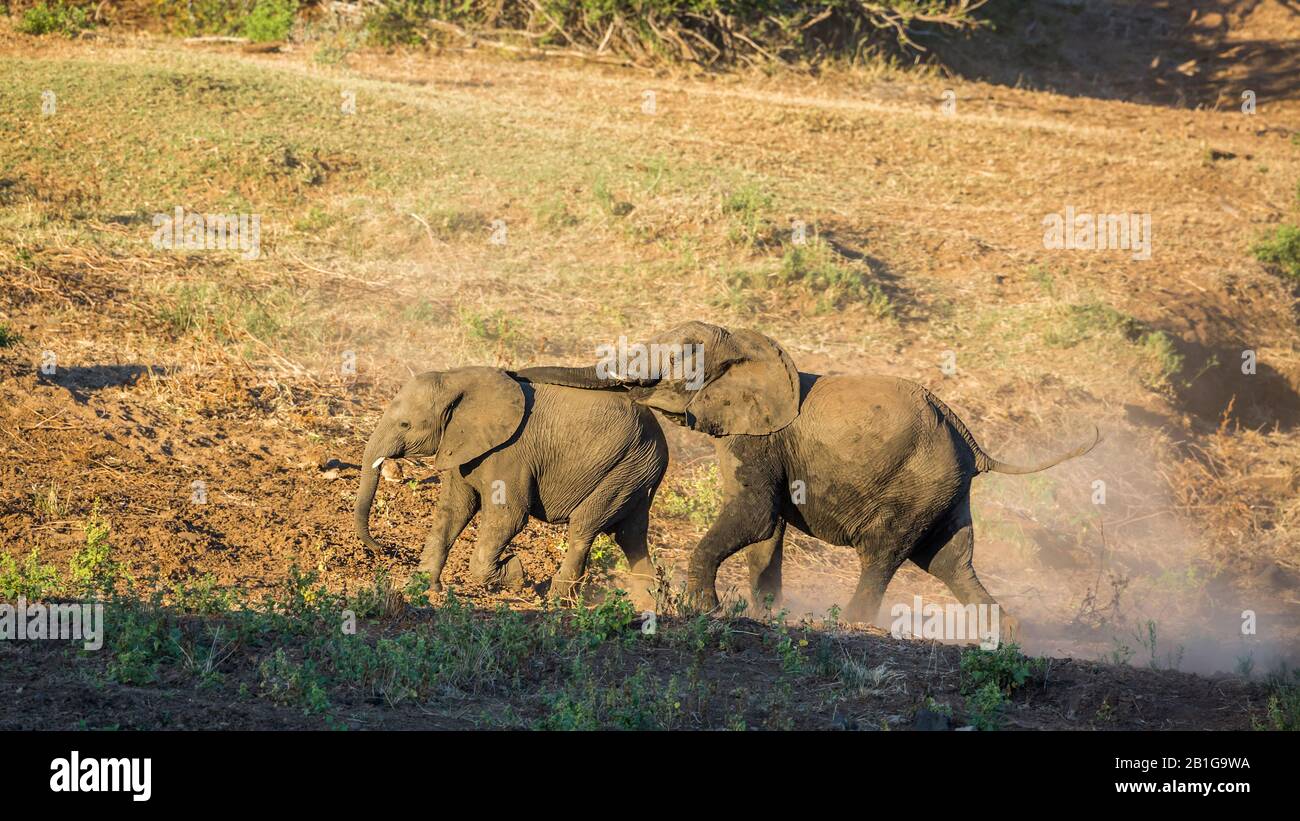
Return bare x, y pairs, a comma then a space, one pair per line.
1180, 53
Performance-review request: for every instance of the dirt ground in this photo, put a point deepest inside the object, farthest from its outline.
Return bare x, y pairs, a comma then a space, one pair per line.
199, 405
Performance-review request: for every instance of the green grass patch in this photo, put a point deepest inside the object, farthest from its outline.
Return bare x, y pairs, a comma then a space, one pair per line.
817, 266
231, 313
92, 570
1281, 250
747, 210
1282, 711
8, 336
814, 268
1096, 322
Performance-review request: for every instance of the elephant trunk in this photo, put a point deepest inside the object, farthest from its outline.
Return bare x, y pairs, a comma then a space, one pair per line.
377, 449
590, 377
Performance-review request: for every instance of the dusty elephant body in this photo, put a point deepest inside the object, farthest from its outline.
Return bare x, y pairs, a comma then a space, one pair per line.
512, 450
870, 462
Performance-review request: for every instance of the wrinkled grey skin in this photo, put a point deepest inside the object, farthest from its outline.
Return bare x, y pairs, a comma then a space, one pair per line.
511, 450
885, 467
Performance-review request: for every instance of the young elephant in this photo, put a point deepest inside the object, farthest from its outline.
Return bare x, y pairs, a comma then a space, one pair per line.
872, 462
510, 450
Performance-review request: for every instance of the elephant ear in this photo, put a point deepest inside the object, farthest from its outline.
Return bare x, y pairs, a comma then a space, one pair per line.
484, 410
753, 387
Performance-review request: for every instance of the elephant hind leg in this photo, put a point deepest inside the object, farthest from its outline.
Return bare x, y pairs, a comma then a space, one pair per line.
949, 555
565, 581
765, 569
632, 537
596, 514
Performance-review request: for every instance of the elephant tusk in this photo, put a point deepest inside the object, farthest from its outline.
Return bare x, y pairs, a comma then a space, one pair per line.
378, 462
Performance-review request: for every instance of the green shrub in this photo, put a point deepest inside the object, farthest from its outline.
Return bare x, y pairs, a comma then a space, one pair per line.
190, 17
203, 595
288, 682
417, 588
54, 18
141, 639
91, 570
1005, 668
406, 22
31, 579
270, 20
606, 620
8, 337
304, 606
1281, 250
636, 702
985, 706
379, 599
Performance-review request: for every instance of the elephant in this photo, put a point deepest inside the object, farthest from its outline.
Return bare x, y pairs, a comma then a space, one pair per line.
876, 463
511, 449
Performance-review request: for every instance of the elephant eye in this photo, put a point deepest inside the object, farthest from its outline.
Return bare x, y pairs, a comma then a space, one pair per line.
404, 424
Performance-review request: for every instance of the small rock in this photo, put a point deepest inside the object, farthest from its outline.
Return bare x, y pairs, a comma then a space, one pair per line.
844, 723
928, 720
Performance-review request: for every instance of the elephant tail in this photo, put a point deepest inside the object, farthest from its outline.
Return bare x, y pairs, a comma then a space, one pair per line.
985, 463
988, 463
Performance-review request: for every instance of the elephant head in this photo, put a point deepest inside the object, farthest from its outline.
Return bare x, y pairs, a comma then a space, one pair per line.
718, 381
455, 416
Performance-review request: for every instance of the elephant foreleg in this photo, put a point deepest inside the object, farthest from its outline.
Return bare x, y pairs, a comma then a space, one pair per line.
877, 568
457, 505
743, 521
498, 527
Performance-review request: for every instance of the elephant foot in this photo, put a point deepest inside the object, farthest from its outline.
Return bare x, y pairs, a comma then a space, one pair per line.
509, 576
435, 586
860, 614
643, 587
512, 575
431, 565
562, 587
762, 602
700, 598
1008, 627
